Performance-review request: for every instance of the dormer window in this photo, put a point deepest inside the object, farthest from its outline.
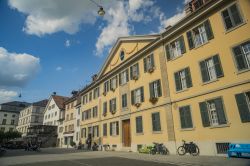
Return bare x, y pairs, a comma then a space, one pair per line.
122, 55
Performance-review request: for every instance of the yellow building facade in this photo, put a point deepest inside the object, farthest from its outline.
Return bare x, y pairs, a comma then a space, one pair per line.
190, 83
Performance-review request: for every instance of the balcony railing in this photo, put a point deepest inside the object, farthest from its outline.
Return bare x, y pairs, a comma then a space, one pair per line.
194, 5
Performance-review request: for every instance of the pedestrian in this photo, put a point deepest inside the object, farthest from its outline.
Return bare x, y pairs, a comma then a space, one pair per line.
89, 141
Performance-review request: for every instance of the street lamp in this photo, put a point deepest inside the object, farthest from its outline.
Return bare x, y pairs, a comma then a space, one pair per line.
101, 11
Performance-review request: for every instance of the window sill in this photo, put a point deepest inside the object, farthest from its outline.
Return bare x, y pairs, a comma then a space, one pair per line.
176, 57
242, 71
114, 135
124, 84
201, 45
138, 134
220, 126
187, 129
211, 81
183, 90
236, 27
125, 109
157, 132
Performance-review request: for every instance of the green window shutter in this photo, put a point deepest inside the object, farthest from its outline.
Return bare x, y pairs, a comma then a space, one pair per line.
235, 14
182, 44
115, 105
139, 128
110, 105
127, 75
204, 72
243, 107
110, 128
188, 77
190, 40
117, 128
218, 68
167, 49
142, 94
227, 19
177, 81
131, 73
188, 116
182, 117
132, 97
209, 30
158, 120
151, 90
152, 60
145, 65
239, 57
120, 79
137, 69
220, 111
159, 88
204, 114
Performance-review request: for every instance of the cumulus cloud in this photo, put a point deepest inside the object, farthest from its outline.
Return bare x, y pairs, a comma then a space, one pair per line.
17, 69
6, 96
59, 68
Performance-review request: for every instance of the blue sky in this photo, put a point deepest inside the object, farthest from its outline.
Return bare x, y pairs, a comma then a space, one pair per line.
57, 45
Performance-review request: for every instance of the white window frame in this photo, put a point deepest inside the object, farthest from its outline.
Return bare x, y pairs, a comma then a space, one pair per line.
211, 69
201, 37
138, 95
212, 112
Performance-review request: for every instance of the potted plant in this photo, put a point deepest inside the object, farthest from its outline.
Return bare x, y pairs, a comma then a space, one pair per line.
153, 100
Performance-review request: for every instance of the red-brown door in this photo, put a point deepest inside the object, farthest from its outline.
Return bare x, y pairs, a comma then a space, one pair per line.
126, 133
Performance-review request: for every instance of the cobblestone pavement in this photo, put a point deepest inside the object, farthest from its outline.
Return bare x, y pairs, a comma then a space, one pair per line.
55, 156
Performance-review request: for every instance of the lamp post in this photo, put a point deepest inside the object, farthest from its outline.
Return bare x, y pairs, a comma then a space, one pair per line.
101, 11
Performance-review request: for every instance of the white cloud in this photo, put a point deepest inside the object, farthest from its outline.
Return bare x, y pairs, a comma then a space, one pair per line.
67, 43
6, 96
59, 68
17, 69
50, 16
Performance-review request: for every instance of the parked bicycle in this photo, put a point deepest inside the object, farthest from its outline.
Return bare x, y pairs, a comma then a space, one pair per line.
159, 148
190, 147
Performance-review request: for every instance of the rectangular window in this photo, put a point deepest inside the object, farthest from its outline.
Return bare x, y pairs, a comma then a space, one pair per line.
106, 87
211, 69
137, 96
12, 122
243, 103
134, 72
96, 92
139, 126
104, 129
200, 35
85, 99
90, 96
212, 112
156, 122
113, 83
123, 77
185, 117
90, 131
83, 133
232, 17
242, 56
155, 89
175, 48
2, 129
149, 64
95, 111
71, 116
104, 112
124, 101
112, 105
183, 79
96, 131
5, 115
78, 122
114, 128
4, 122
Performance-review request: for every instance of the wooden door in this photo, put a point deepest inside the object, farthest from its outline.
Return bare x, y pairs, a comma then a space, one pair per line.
126, 133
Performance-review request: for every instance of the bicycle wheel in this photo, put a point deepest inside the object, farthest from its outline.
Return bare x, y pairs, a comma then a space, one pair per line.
196, 152
181, 151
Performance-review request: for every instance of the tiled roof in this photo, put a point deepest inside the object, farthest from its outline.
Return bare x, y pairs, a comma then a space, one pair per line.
41, 103
16, 103
59, 100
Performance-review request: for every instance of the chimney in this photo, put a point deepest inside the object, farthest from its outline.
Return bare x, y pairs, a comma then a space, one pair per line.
54, 93
94, 77
74, 92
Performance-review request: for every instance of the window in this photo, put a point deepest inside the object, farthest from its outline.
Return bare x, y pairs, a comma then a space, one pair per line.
149, 63
137, 96
183, 79
96, 131
105, 87
36, 119
134, 72
60, 129
11, 129
211, 69
212, 112
96, 92
156, 122
67, 117
85, 99
139, 128
71, 116
2, 129
66, 128
104, 111
12, 122
83, 133
114, 128
78, 122
95, 112
242, 56
90, 96
4, 122
5, 115
200, 35
185, 117
122, 55
86, 114
155, 89
90, 131
104, 129
243, 103
55, 113
124, 101
53, 106
113, 83
112, 105
13, 116
231, 17
123, 77
175, 49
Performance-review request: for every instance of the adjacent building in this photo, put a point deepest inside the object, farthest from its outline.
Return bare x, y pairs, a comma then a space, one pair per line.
9, 113
191, 82
54, 115
31, 116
